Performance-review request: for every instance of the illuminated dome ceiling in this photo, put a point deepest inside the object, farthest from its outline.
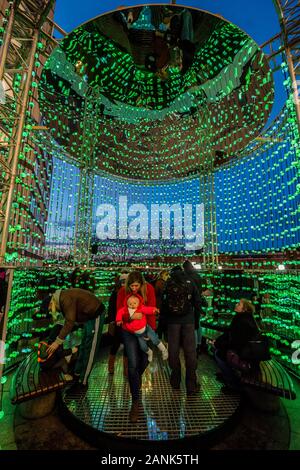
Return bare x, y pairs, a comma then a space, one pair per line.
156, 92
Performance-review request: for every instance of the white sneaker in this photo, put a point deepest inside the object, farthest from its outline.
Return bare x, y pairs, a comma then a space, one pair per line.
150, 354
163, 350
165, 354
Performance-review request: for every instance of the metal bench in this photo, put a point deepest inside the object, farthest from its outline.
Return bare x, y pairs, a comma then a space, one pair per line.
271, 377
210, 334
34, 389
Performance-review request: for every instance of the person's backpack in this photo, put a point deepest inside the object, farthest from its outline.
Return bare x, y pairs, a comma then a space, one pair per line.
178, 296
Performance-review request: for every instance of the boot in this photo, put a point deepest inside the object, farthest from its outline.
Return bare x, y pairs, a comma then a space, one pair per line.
163, 350
111, 364
125, 366
134, 412
194, 390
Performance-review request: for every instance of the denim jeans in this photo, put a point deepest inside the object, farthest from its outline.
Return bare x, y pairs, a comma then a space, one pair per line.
198, 335
230, 376
148, 333
137, 362
182, 335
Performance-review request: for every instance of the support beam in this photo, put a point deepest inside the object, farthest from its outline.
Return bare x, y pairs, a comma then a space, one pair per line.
7, 40
289, 18
14, 150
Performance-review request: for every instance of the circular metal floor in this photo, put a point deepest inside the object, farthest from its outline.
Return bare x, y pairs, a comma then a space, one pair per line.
165, 414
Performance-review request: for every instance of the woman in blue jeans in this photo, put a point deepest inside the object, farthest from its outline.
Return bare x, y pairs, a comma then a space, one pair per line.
137, 363
137, 359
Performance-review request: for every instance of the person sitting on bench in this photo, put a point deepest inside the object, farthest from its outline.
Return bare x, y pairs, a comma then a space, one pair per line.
236, 348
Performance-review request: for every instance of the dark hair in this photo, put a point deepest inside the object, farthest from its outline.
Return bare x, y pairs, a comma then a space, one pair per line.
136, 276
44, 307
187, 266
83, 279
176, 269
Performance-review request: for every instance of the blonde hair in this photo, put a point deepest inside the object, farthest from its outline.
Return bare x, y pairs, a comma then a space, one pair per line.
248, 306
133, 296
136, 276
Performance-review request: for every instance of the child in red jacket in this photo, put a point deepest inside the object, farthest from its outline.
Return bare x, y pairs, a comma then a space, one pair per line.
134, 304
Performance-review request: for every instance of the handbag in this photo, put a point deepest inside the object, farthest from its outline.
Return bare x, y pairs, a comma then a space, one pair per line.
112, 328
236, 362
257, 349
222, 343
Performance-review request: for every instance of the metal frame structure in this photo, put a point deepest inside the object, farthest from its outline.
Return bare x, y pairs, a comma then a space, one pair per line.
17, 58
20, 42
207, 182
289, 16
83, 224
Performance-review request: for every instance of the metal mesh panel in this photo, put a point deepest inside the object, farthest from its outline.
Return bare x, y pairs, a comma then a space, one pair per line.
165, 414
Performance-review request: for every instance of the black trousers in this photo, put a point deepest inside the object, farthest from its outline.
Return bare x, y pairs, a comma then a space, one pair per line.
182, 335
116, 341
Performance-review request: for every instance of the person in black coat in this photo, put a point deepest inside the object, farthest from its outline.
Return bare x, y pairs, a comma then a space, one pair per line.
191, 272
180, 290
159, 287
243, 328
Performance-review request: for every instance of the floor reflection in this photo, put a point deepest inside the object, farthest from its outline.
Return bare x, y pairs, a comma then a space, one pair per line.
165, 414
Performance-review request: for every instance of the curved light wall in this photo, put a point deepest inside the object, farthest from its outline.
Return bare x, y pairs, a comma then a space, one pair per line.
257, 201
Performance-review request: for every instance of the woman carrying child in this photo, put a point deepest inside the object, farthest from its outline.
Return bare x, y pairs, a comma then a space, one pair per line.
137, 359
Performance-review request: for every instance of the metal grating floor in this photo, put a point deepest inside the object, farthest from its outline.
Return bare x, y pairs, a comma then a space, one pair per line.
165, 414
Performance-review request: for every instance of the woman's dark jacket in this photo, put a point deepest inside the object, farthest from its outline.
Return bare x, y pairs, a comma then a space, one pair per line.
243, 328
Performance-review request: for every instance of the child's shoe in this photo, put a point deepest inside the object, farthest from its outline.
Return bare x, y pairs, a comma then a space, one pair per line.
164, 351
150, 354
165, 354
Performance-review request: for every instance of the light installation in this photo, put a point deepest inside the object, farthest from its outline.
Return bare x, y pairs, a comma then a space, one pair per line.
185, 132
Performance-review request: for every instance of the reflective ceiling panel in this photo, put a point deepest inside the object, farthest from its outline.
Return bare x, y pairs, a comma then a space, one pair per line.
156, 92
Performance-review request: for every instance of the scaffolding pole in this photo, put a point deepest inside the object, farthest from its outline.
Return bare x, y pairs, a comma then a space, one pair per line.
84, 212
15, 149
7, 39
289, 18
